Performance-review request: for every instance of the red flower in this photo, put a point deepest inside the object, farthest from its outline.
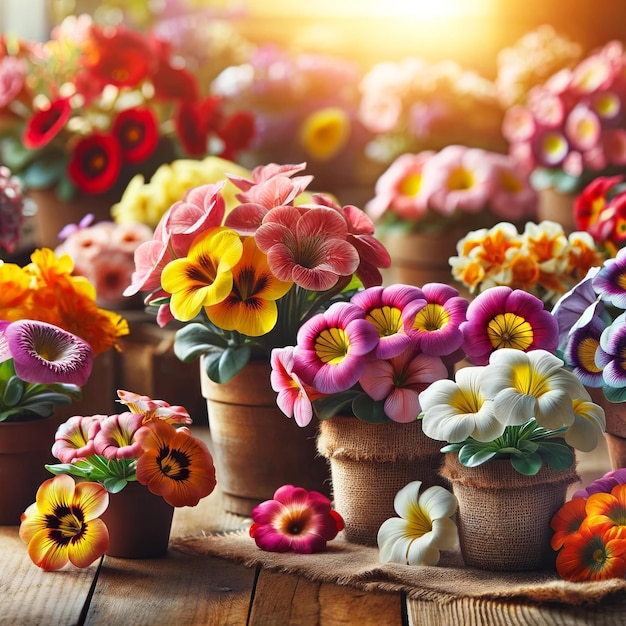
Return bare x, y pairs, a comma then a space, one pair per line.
45, 124
237, 133
95, 163
175, 83
194, 121
137, 132
120, 57
592, 200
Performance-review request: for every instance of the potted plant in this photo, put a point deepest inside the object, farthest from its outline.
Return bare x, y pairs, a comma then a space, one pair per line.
243, 282
139, 465
425, 202
359, 367
42, 367
510, 420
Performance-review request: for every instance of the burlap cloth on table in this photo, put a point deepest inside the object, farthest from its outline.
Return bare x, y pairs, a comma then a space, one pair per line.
347, 563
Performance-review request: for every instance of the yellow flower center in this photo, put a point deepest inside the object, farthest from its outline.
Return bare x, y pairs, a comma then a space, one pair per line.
387, 320
508, 330
410, 185
460, 179
432, 317
420, 523
174, 463
527, 381
510, 182
294, 522
587, 353
332, 345
66, 524
598, 555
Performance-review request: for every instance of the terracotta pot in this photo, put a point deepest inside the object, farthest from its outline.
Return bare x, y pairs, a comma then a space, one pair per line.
369, 464
257, 448
53, 213
24, 451
503, 516
139, 523
557, 207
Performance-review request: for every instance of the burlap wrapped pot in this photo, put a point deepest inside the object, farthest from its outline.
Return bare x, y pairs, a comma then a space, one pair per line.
369, 464
504, 516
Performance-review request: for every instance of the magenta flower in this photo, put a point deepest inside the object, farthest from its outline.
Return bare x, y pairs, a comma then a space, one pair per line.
435, 323
294, 398
609, 281
74, 438
332, 348
307, 246
383, 307
399, 381
604, 484
44, 353
116, 437
501, 317
296, 520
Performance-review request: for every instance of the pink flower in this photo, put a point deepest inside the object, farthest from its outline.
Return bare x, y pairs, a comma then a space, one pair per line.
12, 77
383, 307
295, 520
153, 409
74, 438
116, 437
332, 347
294, 397
399, 381
399, 188
307, 246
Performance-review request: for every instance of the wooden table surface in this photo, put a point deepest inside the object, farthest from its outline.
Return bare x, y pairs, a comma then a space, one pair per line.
181, 589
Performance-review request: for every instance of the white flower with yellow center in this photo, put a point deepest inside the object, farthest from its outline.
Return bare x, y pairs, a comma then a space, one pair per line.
423, 529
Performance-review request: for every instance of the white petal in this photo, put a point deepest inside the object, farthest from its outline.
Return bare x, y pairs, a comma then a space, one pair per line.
438, 502
514, 408
407, 498
393, 541
423, 551
445, 532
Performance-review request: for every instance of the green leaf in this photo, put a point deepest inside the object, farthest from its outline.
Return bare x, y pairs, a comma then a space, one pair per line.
368, 410
558, 455
115, 484
335, 404
476, 453
13, 391
194, 340
527, 464
615, 394
452, 447
71, 469
222, 366
44, 172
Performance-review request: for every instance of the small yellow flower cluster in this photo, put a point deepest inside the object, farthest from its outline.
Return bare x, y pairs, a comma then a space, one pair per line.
542, 260
146, 202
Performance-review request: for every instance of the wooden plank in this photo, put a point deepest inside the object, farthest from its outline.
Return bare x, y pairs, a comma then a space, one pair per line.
29, 596
287, 600
179, 589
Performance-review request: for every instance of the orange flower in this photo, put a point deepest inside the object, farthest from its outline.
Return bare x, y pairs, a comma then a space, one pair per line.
175, 465
608, 508
594, 552
567, 520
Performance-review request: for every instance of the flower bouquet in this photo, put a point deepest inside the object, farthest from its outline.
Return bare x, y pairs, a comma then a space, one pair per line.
12, 209
242, 283
139, 452
93, 105
424, 203
541, 260
591, 327
571, 128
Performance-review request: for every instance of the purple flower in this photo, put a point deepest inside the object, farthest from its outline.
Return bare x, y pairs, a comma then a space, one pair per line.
604, 484
44, 353
610, 358
296, 520
581, 350
610, 280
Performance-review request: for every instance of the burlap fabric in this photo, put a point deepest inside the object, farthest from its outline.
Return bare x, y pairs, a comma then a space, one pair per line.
369, 464
615, 413
503, 516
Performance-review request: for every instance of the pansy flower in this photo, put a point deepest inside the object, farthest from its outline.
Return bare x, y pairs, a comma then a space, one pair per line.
295, 520
502, 317
205, 276
62, 525
609, 358
250, 308
332, 346
582, 346
424, 526
609, 281
174, 465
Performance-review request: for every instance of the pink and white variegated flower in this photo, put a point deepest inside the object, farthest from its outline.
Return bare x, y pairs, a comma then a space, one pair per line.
116, 437
153, 409
74, 438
